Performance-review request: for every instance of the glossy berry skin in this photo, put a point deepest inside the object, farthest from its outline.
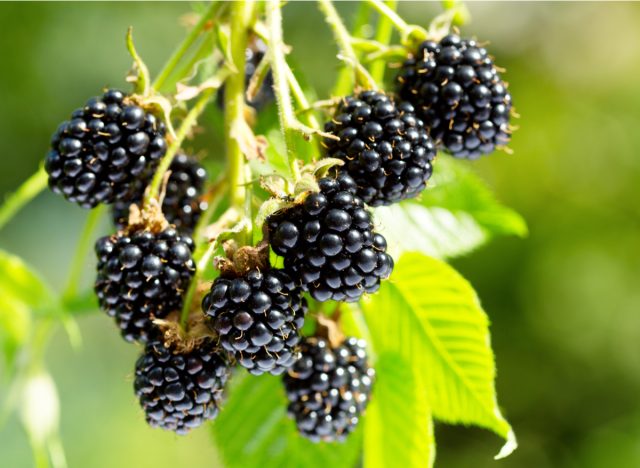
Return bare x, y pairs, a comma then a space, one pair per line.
328, 243
258, 317
106, 146
384, 146
328, 389
459, 94
142, 276
180, 391
183, 202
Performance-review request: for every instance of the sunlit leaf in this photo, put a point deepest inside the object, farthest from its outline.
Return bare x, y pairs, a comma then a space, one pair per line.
398, 425
432, 315
253, 430
455, 215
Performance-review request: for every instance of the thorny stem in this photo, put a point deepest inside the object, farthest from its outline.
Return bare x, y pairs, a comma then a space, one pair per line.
409, 32
186, 126
188, 41
234, 104
280, 82
82, 247
343, 38
201, 265
383, 36
360, 26
29, 189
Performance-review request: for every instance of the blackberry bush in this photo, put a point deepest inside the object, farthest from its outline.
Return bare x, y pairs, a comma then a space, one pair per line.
328, 242
142, 275
258, 316
156, 275
103, 150
459, 94
384, 146
183, 201
328, 388
179, 391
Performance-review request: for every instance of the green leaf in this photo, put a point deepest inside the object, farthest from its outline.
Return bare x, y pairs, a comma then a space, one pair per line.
23, 284
456, 215
253, 430
432, 316
15, 325
398, 424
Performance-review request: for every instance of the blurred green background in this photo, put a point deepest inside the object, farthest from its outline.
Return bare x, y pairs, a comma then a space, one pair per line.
564, 303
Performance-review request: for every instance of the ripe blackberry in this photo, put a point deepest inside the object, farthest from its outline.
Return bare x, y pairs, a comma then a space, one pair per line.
458, 93
182, 204
142, 276
384, 146
179, 391
98, 154
258, 317
329, 243
329, 388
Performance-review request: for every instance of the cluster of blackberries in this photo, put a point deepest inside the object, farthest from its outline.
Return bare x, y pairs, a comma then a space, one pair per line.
458, 93
328, 388
98, 155
450, 96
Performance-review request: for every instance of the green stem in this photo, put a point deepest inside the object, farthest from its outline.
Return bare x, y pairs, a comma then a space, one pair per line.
391, 15
345, 77
188, 41
187, 124
343, 39
25, 193
234, 106
410, 33
201, 265
82, 247
383, 36
281, 83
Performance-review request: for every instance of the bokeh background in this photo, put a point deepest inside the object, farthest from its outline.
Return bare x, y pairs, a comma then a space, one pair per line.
565, 302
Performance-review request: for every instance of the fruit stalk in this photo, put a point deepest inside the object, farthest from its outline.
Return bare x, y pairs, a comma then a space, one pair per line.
29, 189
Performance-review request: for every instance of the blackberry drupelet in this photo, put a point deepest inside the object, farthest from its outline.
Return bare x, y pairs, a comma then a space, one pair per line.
142, 276
328, 243
179, 391
258, 317
183, 202
457, 91
329, 388
384, 146
99, 153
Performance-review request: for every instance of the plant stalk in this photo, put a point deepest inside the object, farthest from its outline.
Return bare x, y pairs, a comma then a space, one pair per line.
29, 189
188, 41
187, 125
82, 247
343, 39
383, 36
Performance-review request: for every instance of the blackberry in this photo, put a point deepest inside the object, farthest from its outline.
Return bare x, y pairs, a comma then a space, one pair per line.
384, 146
253, 55
329, 243
329, 388
142, 276
99, 153
183, 202
179, 391
459, 95
258, 316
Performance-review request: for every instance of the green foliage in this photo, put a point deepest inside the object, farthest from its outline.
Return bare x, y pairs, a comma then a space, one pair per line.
398, 424
455, 216
429, 316
253, 430
22, 293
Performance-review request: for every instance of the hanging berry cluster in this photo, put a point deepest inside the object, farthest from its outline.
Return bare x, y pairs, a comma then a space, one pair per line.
381, 149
